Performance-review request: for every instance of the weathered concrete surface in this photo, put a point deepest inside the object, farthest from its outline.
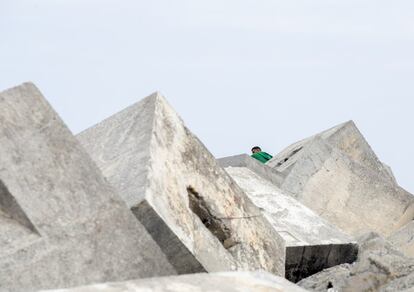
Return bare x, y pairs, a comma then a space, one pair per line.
312, 243
346, 138
61, 224
201, 219
380, 267
226, 282
403, 239
338, 176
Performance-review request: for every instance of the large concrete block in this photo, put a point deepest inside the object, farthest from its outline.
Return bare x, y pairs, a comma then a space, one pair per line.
61, 223
215, 282
342, 180
312, 243
346, 138
201, 219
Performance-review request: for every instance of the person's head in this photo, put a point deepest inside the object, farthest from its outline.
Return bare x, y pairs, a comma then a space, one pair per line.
256, 149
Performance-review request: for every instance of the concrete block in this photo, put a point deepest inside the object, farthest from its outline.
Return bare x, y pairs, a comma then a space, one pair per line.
312, 243
379, 267
342, 180
196, 213
225, 282
61, 223
347, 139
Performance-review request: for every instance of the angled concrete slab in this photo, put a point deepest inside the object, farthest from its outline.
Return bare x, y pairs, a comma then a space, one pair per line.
61, 223
226, 282
201, 219
312, 243
244, 160
341, 179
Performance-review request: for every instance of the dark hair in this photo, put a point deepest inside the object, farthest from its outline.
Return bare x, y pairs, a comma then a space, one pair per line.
256, 148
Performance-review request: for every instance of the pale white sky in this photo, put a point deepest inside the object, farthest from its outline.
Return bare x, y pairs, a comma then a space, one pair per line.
239, 72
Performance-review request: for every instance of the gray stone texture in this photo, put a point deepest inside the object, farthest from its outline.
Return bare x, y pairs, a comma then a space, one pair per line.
61, 223
201, 219
215, 282
380, 267
403, 239
337, 175
312, 243
345, 137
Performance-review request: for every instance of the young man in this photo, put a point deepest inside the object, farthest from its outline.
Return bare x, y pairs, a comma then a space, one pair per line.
260, 155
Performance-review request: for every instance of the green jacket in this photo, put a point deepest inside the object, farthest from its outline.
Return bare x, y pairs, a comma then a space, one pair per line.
263, 157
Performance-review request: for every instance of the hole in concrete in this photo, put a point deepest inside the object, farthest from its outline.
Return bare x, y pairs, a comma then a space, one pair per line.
215, 225
291, 154
330, 285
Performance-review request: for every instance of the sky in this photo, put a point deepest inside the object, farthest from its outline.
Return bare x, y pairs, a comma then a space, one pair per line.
239, 72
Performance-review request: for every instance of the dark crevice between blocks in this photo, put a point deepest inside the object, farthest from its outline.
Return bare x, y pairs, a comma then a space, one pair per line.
214, 224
